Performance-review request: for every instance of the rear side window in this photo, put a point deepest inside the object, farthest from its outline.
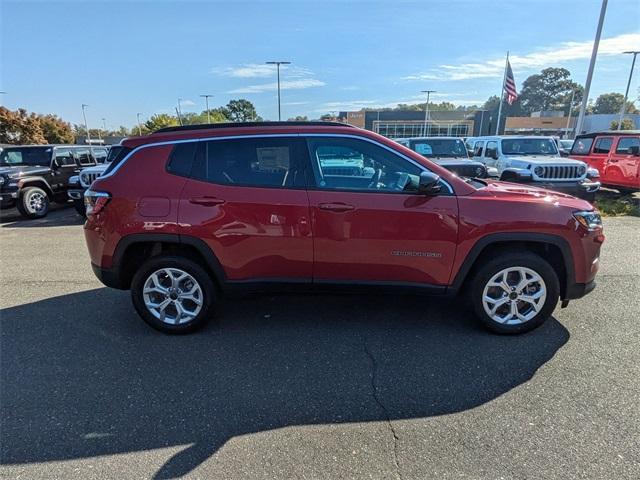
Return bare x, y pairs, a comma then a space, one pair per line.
83, 157
100, 154
256, 162
603, 145
181, 159
627, 142
582, 146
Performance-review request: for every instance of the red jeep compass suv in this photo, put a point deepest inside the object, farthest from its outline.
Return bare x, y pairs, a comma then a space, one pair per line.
192, 212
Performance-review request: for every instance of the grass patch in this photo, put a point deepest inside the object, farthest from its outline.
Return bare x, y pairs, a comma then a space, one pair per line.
613, 204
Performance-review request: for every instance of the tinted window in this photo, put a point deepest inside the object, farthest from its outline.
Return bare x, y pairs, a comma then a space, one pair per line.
444, 148
492, 148
181, 159
116, 156
63, 156
26, 156
627, 142
257, 162
351, 164
477, 149
529, 146
582, 146
603, 145
83, 156
100, 154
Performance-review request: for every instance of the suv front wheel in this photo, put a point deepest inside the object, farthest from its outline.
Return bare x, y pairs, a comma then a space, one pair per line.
173, 294
33, 203
514, 293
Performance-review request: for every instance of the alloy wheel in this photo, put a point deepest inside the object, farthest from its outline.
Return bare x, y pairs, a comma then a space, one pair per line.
172, 296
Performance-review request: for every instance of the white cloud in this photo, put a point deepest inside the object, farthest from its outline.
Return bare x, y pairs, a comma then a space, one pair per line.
284, 85
187, 103
261, 70
295, 103
565, 52
351, 105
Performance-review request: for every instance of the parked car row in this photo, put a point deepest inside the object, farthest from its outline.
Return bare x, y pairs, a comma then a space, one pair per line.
316, 205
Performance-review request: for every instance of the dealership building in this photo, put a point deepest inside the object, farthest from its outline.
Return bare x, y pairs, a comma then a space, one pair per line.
411, 123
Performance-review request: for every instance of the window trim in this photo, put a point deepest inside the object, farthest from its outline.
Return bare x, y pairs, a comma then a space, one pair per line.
595, 144
270, 135
620, 139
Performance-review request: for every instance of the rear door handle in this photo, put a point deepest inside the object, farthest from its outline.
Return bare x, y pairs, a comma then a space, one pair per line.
206, 201
336, 207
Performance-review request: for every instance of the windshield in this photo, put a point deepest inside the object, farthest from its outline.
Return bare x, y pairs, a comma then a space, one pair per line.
566, 144
449, 147
26, 156
529, 146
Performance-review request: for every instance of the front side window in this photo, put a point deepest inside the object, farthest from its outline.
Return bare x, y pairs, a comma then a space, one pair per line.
255, 162
582, 146
624, 144
529, 146
26, 156
492, 149
603, 145
64, 157
477, 149
358, 165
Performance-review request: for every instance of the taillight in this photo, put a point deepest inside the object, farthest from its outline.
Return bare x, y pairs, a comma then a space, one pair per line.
95, 202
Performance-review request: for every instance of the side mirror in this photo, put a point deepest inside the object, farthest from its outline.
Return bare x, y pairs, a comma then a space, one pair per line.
635, 151
429, 184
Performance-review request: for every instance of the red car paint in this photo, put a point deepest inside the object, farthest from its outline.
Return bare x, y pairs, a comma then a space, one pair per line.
312, 236
608, 153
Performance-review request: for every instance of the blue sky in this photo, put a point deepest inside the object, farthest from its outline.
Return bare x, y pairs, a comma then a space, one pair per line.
122, 58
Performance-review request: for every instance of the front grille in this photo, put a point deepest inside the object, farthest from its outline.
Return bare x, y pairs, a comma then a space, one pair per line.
558, 172
86, 179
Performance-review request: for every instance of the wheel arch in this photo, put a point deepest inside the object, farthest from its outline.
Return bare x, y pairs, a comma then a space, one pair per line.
39, 182
553, 248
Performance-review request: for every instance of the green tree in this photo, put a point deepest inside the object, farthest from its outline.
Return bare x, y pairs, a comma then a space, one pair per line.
551, 89
20, 128
298, 118
241, 111
56, 130
157, 121
612, 103
216, 115
627, 124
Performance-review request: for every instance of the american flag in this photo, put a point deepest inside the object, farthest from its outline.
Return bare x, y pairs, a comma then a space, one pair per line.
510, 85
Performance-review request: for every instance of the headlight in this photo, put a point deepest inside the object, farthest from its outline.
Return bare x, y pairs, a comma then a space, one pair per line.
581, 170
593, 173
479, 172
74, 180
588, 219
539, 171
2, 180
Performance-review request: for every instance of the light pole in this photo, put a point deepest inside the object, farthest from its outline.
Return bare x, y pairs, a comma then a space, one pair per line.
139, 127
180, 111
86, 126
626, 93
592, 64
206, 101
277, 64
104, 126
426, 110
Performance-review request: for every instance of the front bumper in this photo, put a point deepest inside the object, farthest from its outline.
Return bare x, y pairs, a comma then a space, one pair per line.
8, 198
584, 189
76, 194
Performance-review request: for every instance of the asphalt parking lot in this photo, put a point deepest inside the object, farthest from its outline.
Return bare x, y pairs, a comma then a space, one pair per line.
309, 386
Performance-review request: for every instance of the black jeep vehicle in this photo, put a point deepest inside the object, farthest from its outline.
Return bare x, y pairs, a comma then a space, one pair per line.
449, 152
33, 176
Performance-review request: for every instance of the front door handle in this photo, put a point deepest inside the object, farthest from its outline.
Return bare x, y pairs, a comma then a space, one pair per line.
206, 201
336, 207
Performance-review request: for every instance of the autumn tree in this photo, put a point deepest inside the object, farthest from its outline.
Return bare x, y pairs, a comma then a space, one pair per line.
20, 128
56, 130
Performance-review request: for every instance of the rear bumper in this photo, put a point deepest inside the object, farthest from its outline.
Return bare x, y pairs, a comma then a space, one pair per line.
579, 290
109, 277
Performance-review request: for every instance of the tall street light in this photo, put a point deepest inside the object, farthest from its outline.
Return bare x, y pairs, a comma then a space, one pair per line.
626, 93
180, 110
277, 64
426, 110
139, 127
592, 64
86, 126
206, 101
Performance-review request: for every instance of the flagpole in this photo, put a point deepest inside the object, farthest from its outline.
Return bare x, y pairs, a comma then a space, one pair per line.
504, 79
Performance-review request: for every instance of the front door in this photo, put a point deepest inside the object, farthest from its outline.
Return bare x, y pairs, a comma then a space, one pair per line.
246, 199
65, 167
623, 168
369, 223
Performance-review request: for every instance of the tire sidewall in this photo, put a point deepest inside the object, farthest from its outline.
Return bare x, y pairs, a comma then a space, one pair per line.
24, 202
189, 266
528, 260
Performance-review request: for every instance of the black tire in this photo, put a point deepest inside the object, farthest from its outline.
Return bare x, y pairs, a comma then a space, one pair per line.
491, 267
200, 275
33, 203
80, 208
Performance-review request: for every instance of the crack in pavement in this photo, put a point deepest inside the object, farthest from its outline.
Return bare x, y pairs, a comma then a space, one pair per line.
374, 390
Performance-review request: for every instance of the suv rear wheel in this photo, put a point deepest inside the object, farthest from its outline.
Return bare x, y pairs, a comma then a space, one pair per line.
33, 203
514, 293
173, 294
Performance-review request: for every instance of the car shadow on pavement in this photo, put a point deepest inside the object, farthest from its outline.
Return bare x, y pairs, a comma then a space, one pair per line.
59, 216
83, 376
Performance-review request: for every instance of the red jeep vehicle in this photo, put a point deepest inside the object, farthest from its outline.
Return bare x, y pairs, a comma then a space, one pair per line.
616, 155
193, 212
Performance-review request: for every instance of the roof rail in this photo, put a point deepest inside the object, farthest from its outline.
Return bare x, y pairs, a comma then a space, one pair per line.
207, 126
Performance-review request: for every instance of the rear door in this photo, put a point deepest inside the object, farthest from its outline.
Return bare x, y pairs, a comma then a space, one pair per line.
246, 198
369, 224
600, 154
623, 168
